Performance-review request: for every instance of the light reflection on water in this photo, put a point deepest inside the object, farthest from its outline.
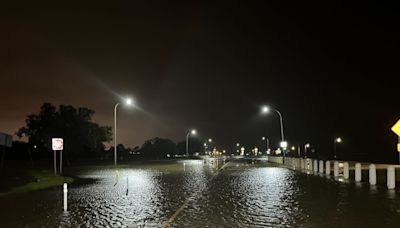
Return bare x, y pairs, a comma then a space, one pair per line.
240, 195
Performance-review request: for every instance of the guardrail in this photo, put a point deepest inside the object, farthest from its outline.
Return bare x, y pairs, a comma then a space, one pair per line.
340, 169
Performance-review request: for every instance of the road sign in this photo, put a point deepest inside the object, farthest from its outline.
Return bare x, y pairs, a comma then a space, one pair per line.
5, 140
396, 128
57, 143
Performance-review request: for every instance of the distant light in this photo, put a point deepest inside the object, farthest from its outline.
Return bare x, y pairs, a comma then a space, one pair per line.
265, 109
338, 140
293, 148
284, 144
128, 101
263, 138
34, 146
307, 145
193, 132
237, 144
205, 144
209, 140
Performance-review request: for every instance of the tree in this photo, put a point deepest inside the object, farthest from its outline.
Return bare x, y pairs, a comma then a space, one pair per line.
82, 137
158, 148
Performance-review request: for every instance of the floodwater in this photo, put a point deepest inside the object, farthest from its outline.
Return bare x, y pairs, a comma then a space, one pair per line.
193, 193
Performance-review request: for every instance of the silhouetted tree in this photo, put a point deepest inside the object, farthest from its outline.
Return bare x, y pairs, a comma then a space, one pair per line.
158, 148
82, 137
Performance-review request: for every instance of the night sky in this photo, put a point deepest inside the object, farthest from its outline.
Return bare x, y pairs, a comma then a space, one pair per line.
331, 68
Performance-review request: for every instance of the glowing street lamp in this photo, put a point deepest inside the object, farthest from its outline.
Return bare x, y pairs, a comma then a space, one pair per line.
266, 142
209, 140
191, 132
337, 140
307, 145
128, 102
266, 109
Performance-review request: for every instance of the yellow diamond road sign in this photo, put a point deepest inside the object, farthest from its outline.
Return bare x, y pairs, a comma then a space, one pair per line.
396, 128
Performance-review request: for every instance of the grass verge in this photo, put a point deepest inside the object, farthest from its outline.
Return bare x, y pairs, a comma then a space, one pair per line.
42, 179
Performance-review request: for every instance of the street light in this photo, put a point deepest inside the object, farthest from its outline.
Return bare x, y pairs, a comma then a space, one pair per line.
307, 145
209, 140
191, 132
266, 142
128, 101
336, 141
266, 109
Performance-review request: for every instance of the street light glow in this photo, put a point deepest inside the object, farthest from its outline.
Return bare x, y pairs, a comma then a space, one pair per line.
293, 148
307, 145
263, 138
265, 109
128, 101
338, 140
237, 144
210, 140
284, 144
193, 132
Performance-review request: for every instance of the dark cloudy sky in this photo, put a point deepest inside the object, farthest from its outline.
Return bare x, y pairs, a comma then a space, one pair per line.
331, 68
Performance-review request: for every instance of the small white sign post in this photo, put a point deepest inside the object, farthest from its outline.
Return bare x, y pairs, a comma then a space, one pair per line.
57, 144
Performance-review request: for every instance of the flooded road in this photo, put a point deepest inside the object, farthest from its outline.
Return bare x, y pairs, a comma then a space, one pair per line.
192, 193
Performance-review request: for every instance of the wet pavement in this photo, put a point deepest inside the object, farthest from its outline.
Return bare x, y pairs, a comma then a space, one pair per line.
192, 193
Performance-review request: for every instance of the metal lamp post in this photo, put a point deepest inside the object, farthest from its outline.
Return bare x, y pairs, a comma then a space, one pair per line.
336, 141
191, 132
128, 101
283, 144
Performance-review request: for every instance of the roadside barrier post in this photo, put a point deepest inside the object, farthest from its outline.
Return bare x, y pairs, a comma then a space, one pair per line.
346, 170
372, 174
357, 175
335, 168
65, 190
321, 167
328, 168
391, 177
315, 166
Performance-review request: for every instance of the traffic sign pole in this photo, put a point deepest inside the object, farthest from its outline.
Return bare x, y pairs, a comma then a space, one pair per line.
55, 163
61, 162
398, 148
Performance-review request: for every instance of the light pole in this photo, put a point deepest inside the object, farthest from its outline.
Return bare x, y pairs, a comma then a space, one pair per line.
336, 141
128, 101
205, 145
266, 142
266, 109
191, 132
307, 145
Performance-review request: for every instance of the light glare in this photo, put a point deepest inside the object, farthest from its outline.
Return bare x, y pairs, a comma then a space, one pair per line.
128, 101
265, 109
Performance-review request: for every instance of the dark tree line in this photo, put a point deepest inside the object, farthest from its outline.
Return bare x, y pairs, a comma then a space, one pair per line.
82, 137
